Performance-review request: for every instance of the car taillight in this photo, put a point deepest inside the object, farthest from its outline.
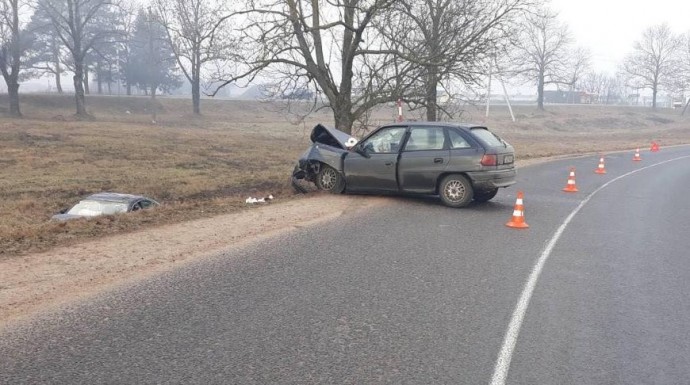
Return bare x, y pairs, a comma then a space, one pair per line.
489, 160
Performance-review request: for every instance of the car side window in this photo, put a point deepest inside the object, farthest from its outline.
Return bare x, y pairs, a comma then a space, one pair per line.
145, 204
456, 140
425, 138
385, 141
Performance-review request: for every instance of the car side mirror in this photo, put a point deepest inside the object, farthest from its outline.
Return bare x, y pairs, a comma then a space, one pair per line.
64, 211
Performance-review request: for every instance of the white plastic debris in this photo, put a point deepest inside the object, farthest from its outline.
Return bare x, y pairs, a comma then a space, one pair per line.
252, 200
351, 142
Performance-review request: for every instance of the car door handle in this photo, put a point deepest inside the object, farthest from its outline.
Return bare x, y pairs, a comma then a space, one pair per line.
438, 160
388, 163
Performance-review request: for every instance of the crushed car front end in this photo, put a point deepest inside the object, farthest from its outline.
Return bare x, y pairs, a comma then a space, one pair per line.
329, 148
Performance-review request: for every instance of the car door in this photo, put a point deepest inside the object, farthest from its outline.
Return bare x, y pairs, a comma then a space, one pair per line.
423, 159
465, 151
375, 169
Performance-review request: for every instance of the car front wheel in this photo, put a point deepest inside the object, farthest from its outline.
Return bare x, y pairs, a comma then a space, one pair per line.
485, 195
455, 191
329, 179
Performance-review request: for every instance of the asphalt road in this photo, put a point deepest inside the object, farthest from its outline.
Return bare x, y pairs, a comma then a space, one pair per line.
594, 292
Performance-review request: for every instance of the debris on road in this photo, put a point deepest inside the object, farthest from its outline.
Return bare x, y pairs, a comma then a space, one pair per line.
252, 200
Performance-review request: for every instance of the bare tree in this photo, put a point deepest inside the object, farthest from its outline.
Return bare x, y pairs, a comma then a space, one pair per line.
615, 89
577, 64
684, 63
80, 24
127, 14
541, 53
593, 83
47, 54
199, 34
599, 84
449, 41
653, 60
13, 46
327, 45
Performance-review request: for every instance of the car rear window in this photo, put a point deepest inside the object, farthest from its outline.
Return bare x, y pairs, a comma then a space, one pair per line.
487, 136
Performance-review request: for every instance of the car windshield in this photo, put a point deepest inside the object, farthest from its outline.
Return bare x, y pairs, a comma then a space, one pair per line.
93, 208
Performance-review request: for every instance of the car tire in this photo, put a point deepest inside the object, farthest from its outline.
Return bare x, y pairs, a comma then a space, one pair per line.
485, 195
329, 179
455, 191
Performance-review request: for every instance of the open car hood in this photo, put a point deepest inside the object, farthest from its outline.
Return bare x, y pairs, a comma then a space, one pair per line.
332, 137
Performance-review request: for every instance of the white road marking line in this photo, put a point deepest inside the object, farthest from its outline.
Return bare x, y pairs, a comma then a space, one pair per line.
510, 339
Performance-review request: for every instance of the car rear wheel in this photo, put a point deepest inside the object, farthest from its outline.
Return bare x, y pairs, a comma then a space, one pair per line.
329, 179
455, 191
485, 195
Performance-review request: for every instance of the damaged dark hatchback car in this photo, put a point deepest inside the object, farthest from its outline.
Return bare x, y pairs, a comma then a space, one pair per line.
460, 163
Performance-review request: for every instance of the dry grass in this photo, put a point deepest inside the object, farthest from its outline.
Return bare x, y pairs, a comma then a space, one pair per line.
195, 166
203, 166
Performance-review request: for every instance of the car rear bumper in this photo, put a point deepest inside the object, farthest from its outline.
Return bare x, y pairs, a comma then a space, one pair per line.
492, 179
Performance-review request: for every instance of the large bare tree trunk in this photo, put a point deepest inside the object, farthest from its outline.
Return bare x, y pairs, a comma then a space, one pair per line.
431, 96
12, 80
58, 68
79, 97
154, 107
10, 59
342, 115
13, 94
99, 80
85, 83
196, 96
540, 91
58, 81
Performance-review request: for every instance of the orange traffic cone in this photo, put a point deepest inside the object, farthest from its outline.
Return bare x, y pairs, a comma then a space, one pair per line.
637, 158
518, 220
601, 169
655, 147
571, 187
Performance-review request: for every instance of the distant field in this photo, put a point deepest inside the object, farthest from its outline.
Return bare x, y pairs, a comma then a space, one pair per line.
204, 166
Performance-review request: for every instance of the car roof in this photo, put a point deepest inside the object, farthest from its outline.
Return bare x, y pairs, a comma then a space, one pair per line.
114, 197
438, 124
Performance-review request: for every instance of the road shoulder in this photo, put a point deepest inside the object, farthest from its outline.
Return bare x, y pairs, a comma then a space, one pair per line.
43, 281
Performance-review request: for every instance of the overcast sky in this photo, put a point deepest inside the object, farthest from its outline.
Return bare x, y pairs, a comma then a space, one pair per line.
610, 27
